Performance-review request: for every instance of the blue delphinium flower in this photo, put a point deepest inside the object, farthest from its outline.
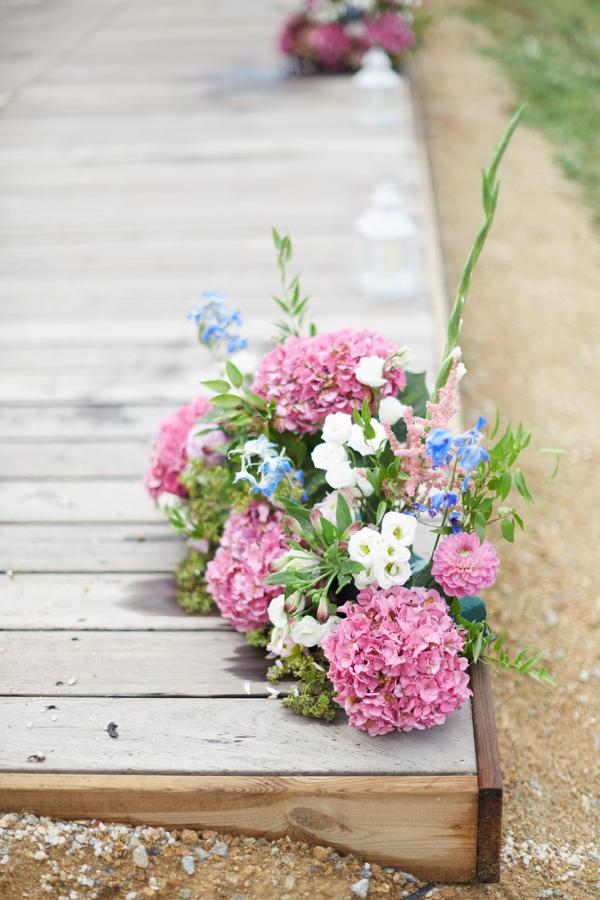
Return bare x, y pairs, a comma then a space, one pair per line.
216, 324
438, 444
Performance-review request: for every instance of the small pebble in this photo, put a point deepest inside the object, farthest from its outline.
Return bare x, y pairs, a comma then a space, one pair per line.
153, 884
361, 888
131, 895
201, 854
186, 894
188, 864
140, 857
188, 836
40, 854
321, 853
220, 848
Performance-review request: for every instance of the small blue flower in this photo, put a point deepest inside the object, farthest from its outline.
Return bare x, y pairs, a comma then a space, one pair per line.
216, 324
455, 520
438, 444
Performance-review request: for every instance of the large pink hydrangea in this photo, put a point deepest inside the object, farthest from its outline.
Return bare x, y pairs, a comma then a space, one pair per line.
311, 377
170, 451
329, 44
464, 566
394, 660
251, 541
390, 31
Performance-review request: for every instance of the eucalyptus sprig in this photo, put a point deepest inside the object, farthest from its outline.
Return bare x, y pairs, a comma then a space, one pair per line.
291, 302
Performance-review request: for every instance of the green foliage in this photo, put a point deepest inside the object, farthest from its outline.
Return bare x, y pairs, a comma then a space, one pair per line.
523, 663
259, 637
211, 498
551, 52
192, 593
291, 303
313, 695
490, 191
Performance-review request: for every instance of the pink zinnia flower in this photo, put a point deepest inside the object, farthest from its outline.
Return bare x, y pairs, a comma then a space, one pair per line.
311, 377
391, 32
170, 451
328, 44
251, 541
463, 566
394, 660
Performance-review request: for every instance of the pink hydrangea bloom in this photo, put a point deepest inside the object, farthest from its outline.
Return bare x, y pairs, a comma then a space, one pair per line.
170, 451
311, 377
329, 44
251, 541
394, 660
391, 32
463, 566
206, 445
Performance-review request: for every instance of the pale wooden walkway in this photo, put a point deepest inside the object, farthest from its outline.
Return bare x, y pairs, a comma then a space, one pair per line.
146, 148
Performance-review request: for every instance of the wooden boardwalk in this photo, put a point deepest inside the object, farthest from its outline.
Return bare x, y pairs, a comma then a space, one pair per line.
145, 151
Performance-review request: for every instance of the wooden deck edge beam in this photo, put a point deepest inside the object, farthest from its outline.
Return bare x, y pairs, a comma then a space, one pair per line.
423, 825
489, 819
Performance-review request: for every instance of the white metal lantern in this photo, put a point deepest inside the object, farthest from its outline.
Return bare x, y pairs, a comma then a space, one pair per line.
390, 251
378, 90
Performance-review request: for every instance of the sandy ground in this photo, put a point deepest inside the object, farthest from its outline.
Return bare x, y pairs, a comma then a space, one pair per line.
531, 343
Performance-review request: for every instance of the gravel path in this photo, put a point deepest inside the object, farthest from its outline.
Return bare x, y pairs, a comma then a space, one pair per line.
531, 339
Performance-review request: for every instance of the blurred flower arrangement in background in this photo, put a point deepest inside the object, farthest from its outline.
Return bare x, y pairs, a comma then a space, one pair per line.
338, 515
333, 35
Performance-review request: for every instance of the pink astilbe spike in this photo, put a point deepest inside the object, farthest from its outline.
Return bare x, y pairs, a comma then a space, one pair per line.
416, 463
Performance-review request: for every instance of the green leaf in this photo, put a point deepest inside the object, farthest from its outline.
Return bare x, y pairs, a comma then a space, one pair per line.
472, 609
255, 399
507, 527
234, 374
380, 512
330, 535
521, 486
557, 453
343, 516
227, 401
216, 384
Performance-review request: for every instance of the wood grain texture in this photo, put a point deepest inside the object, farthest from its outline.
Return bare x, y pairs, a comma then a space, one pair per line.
120, 664
46, 601
249, 735
489, 828
90, 548
387, 820
59, 460
101, 500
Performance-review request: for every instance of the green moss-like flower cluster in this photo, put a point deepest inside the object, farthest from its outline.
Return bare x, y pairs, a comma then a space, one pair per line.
192, 593
313, 695
212, 496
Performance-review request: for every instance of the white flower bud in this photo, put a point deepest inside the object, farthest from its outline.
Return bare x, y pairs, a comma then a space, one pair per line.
336, 428
390, 410
340, 476
326, 456
369, 371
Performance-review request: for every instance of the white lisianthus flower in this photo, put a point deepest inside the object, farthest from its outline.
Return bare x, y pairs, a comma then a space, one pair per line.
364, 546
363, 446
307, 631
296, 561
399, 527
369, 371
336, 428
363, 487
281, 642
392, 551
388, 573
364, 579
277, 613
340, 476
328, 505
390, 410
326, 456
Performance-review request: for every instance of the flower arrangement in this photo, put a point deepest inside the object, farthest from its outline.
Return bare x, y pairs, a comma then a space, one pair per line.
338, 514
333, 35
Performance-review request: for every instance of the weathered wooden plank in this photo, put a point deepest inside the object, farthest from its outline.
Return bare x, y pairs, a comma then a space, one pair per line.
410, 323
33, 460
123, 663
96, 602
103, 386
111, 422
102, 500
387, 819
89, 548
216, 736
489, 819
